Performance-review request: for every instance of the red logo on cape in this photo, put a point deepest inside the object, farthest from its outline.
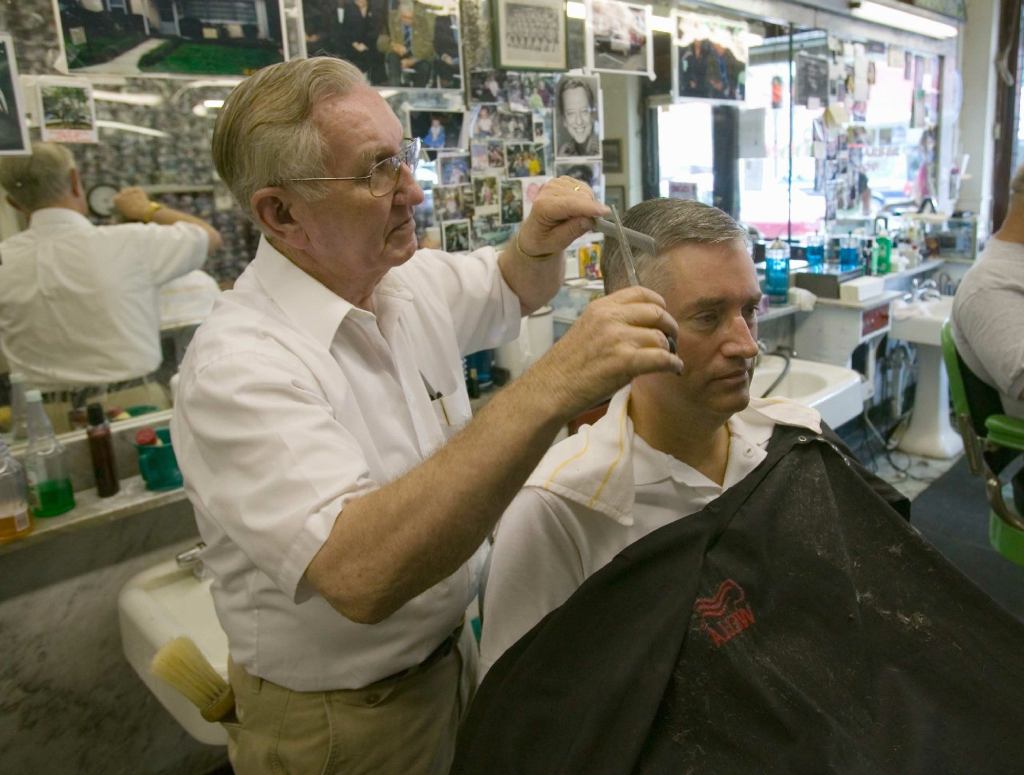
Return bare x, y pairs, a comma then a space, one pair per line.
725, 614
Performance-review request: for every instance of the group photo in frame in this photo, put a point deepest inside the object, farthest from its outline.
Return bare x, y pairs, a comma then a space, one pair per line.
13, 127
398, 43
67, 112
619, 38
710, 57
529, 34
578, 117
135, 38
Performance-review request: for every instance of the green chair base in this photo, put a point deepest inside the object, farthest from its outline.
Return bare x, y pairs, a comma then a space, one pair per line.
1006, 540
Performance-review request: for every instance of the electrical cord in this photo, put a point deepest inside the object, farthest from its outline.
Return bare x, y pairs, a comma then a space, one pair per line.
903, 471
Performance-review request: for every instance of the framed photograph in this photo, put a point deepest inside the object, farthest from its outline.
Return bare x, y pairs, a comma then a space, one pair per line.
485, 191
436, 129
449, 203
455, 235
585, 171
487, 86
529, 34
578, 117
514, 125
619, 37
67, 111
611, 153
158, 38
13, 129
615, 196
398, 43
710, 57
511, 201
525, 160
453, 169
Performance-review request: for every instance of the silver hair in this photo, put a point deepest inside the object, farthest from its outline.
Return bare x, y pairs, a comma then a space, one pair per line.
265, 133
671, 222
38, 180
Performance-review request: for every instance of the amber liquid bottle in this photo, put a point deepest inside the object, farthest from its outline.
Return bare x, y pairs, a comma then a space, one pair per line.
15, 519
101, 449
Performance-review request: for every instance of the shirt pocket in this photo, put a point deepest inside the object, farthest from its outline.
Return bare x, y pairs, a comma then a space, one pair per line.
452, 412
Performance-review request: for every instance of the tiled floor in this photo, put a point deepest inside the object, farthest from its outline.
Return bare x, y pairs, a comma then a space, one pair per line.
910, 474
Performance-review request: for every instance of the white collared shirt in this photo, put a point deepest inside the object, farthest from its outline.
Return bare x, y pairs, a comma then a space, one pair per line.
292, 402
79, 303
593, 495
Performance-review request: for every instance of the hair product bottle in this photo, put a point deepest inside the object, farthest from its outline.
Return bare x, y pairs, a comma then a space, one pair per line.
15, 520
101, 450
49, 480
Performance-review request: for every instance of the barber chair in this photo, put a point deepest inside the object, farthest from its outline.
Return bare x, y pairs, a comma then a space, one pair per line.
992, 441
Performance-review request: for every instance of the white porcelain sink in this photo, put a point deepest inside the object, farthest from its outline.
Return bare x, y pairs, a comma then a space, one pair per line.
835, 391
920, 321
160, 604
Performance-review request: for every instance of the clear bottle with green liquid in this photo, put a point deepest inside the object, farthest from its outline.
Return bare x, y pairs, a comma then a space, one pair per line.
46, 463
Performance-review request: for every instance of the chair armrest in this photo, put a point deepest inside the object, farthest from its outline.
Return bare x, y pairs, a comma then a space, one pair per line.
1005, 431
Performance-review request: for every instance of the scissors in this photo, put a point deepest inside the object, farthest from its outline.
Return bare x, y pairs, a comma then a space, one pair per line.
623, 235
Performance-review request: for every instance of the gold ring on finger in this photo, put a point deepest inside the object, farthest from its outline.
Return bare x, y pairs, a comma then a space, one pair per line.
575, 188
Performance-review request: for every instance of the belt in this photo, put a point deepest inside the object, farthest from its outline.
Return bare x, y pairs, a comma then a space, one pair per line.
435, 656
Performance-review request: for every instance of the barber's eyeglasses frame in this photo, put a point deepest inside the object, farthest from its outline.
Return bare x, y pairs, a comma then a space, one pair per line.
384, 174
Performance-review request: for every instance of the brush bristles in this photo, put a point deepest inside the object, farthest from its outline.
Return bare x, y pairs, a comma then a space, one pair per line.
181, 664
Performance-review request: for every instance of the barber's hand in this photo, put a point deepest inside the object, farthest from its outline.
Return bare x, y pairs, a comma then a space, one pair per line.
617, 337
564, 210
132, 203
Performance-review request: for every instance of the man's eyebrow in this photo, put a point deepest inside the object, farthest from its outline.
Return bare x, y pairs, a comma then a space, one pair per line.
715, 302
383, 152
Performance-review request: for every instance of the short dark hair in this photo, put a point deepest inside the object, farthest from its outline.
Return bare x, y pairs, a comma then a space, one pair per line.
575, 83
671, 222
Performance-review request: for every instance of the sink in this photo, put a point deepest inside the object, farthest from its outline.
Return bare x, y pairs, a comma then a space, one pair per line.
929, 431
920, 321
834, 391
158, 605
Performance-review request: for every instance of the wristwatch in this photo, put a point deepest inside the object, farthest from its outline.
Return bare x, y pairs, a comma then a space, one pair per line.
153, 207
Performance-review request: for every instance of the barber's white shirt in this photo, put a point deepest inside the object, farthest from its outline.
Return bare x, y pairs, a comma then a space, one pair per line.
593, 495
293, 402
79, 303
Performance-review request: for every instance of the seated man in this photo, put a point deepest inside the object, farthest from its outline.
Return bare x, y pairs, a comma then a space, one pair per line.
683, 440
706, 582
988, 314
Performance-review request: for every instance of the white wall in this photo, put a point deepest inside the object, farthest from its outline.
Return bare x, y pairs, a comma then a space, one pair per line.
621, 114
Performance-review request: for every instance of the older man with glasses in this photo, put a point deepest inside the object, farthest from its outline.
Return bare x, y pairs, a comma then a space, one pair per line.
324, 429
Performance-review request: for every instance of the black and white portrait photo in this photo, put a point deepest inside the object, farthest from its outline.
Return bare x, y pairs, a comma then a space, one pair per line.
530, 34
619, 37
13, 131
578, 117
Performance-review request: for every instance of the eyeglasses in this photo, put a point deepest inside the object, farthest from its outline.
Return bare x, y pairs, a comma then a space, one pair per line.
384, 174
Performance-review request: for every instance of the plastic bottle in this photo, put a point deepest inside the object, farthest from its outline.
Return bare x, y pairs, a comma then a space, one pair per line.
884, 243
19, 427
849, 253
49, 480
101, 450
776, 262
814, 252
15, 519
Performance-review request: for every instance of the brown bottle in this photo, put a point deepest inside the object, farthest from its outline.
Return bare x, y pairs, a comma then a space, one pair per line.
101, 449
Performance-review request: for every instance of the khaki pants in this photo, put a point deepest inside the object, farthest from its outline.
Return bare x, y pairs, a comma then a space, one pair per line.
402, 726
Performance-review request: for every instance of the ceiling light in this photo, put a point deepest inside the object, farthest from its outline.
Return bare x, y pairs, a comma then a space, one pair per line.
662, 24
128, 98
140, 130
575, 10
213, 104
904, 20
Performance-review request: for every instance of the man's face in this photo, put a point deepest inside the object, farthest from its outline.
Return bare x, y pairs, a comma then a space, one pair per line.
353, 233
712, 292
576, 110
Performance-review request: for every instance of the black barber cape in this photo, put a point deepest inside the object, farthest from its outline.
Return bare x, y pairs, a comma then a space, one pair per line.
798, 624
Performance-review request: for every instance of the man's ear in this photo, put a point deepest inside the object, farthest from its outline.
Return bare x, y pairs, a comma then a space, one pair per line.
76, 183
275, 209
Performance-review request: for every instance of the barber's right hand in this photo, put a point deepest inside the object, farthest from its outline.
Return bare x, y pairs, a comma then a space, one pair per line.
132, 203
617, 337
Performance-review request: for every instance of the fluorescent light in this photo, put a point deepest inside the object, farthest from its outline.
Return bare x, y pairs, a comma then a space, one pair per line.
213, 104
127, 98
662, 24
752, 39
904, 20
140, 130
575, 10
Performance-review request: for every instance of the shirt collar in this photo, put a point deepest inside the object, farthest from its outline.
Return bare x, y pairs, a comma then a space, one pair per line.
49, 217
310, 305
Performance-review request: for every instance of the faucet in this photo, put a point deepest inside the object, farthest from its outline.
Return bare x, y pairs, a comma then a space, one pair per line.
191, 559
923, 291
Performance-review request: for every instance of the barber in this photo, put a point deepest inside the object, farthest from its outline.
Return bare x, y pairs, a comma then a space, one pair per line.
323, 425
79, 303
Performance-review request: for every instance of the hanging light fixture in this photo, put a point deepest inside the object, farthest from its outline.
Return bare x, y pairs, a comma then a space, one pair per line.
891, 16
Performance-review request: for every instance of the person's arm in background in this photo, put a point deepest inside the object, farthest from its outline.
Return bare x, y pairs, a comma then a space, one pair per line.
135, 205
395, 542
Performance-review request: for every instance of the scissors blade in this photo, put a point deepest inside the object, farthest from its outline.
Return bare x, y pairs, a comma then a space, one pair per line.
627, 250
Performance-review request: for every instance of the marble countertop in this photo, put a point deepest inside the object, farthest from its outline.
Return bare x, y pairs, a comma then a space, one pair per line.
132, 499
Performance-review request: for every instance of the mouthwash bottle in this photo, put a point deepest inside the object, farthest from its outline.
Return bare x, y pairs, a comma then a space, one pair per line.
49, 479
884, 243
15, 520
776, 270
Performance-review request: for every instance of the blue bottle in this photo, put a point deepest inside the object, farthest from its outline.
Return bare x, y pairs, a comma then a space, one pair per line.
814, 252
776, 262
849, 253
